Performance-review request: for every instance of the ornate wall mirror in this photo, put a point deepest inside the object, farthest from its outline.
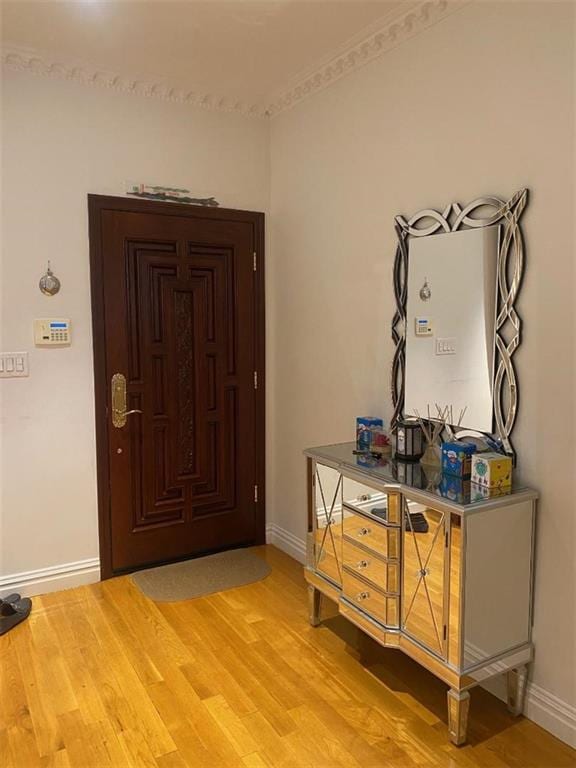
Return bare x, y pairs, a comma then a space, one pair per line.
455, 328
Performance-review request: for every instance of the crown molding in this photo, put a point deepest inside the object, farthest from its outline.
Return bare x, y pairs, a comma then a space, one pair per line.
393, 30
363, 49
22, 59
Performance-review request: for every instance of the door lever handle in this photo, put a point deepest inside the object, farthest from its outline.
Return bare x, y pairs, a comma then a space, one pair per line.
118, 395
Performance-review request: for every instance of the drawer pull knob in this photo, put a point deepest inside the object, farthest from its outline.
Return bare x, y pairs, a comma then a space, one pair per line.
364, 532
362, 596
364, 497
362, 564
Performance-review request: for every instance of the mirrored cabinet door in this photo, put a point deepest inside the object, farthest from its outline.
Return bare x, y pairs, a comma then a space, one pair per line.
424, 576
327, 511
498, 552
455, 591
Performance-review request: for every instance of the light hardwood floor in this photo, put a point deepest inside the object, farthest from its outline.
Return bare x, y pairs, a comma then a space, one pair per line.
102, 676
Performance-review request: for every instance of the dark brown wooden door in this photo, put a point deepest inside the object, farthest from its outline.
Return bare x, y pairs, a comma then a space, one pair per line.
181, 320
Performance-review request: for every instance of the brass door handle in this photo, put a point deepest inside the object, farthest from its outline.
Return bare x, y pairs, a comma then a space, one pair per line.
118, 396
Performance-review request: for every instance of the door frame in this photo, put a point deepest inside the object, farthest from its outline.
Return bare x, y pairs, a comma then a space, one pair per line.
97, 204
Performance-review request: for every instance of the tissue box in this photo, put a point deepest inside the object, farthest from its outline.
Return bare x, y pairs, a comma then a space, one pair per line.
455, 489
457, 459
481, 492
364, 425
492, 470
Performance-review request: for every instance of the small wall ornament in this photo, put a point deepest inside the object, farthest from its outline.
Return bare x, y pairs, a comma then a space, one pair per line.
49, 283
425, 292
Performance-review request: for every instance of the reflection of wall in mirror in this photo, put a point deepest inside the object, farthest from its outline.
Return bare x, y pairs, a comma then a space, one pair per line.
460, 269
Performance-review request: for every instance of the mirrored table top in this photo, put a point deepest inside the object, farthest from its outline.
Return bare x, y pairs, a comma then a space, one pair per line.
410, 475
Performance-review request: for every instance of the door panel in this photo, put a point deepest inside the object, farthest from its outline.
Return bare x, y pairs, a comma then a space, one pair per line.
180, 323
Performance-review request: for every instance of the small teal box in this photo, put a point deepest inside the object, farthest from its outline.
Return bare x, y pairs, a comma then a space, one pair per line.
457, 459
364, 425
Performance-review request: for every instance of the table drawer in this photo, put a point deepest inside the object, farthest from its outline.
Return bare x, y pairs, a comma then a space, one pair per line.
365, 597
364, 499
382, 574
383, 540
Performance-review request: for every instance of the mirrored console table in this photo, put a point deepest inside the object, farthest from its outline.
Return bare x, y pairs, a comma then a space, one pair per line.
425, 566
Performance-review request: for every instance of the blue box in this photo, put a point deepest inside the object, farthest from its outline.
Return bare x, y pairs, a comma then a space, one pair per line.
455, 489
363, 434
367, 461
457, 459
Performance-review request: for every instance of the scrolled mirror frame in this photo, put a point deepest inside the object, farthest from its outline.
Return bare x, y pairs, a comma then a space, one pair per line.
510, 269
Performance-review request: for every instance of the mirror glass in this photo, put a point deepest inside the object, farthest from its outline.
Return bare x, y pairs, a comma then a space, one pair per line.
450, 319
328, 522
424, 576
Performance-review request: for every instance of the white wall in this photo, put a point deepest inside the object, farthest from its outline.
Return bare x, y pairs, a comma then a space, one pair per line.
482, 102
61, 141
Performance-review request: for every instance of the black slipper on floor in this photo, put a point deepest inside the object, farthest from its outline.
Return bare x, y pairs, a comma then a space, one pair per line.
12, 614
418, 522
13, 598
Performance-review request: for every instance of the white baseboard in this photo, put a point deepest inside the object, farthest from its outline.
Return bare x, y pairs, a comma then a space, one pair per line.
551, 713
542, 707
52, 579
286, 541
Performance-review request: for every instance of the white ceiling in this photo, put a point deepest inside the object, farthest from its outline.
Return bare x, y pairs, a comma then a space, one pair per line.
235, 48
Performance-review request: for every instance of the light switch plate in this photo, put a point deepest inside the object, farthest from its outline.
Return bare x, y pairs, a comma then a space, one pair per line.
13, 365
446, 346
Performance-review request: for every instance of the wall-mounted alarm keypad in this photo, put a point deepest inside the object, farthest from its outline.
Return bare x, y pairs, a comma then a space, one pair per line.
423, 326
52, 332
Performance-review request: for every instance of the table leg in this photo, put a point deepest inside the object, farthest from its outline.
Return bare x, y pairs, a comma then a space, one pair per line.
314, 601
516, 683
458, 706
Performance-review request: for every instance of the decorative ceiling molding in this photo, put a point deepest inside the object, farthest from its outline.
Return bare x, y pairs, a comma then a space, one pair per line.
24, 59
392, 33
364, 48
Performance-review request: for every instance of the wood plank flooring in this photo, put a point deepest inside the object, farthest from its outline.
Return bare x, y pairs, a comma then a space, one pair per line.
101, 676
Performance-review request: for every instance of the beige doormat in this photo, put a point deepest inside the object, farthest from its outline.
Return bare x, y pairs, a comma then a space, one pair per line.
202, 576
